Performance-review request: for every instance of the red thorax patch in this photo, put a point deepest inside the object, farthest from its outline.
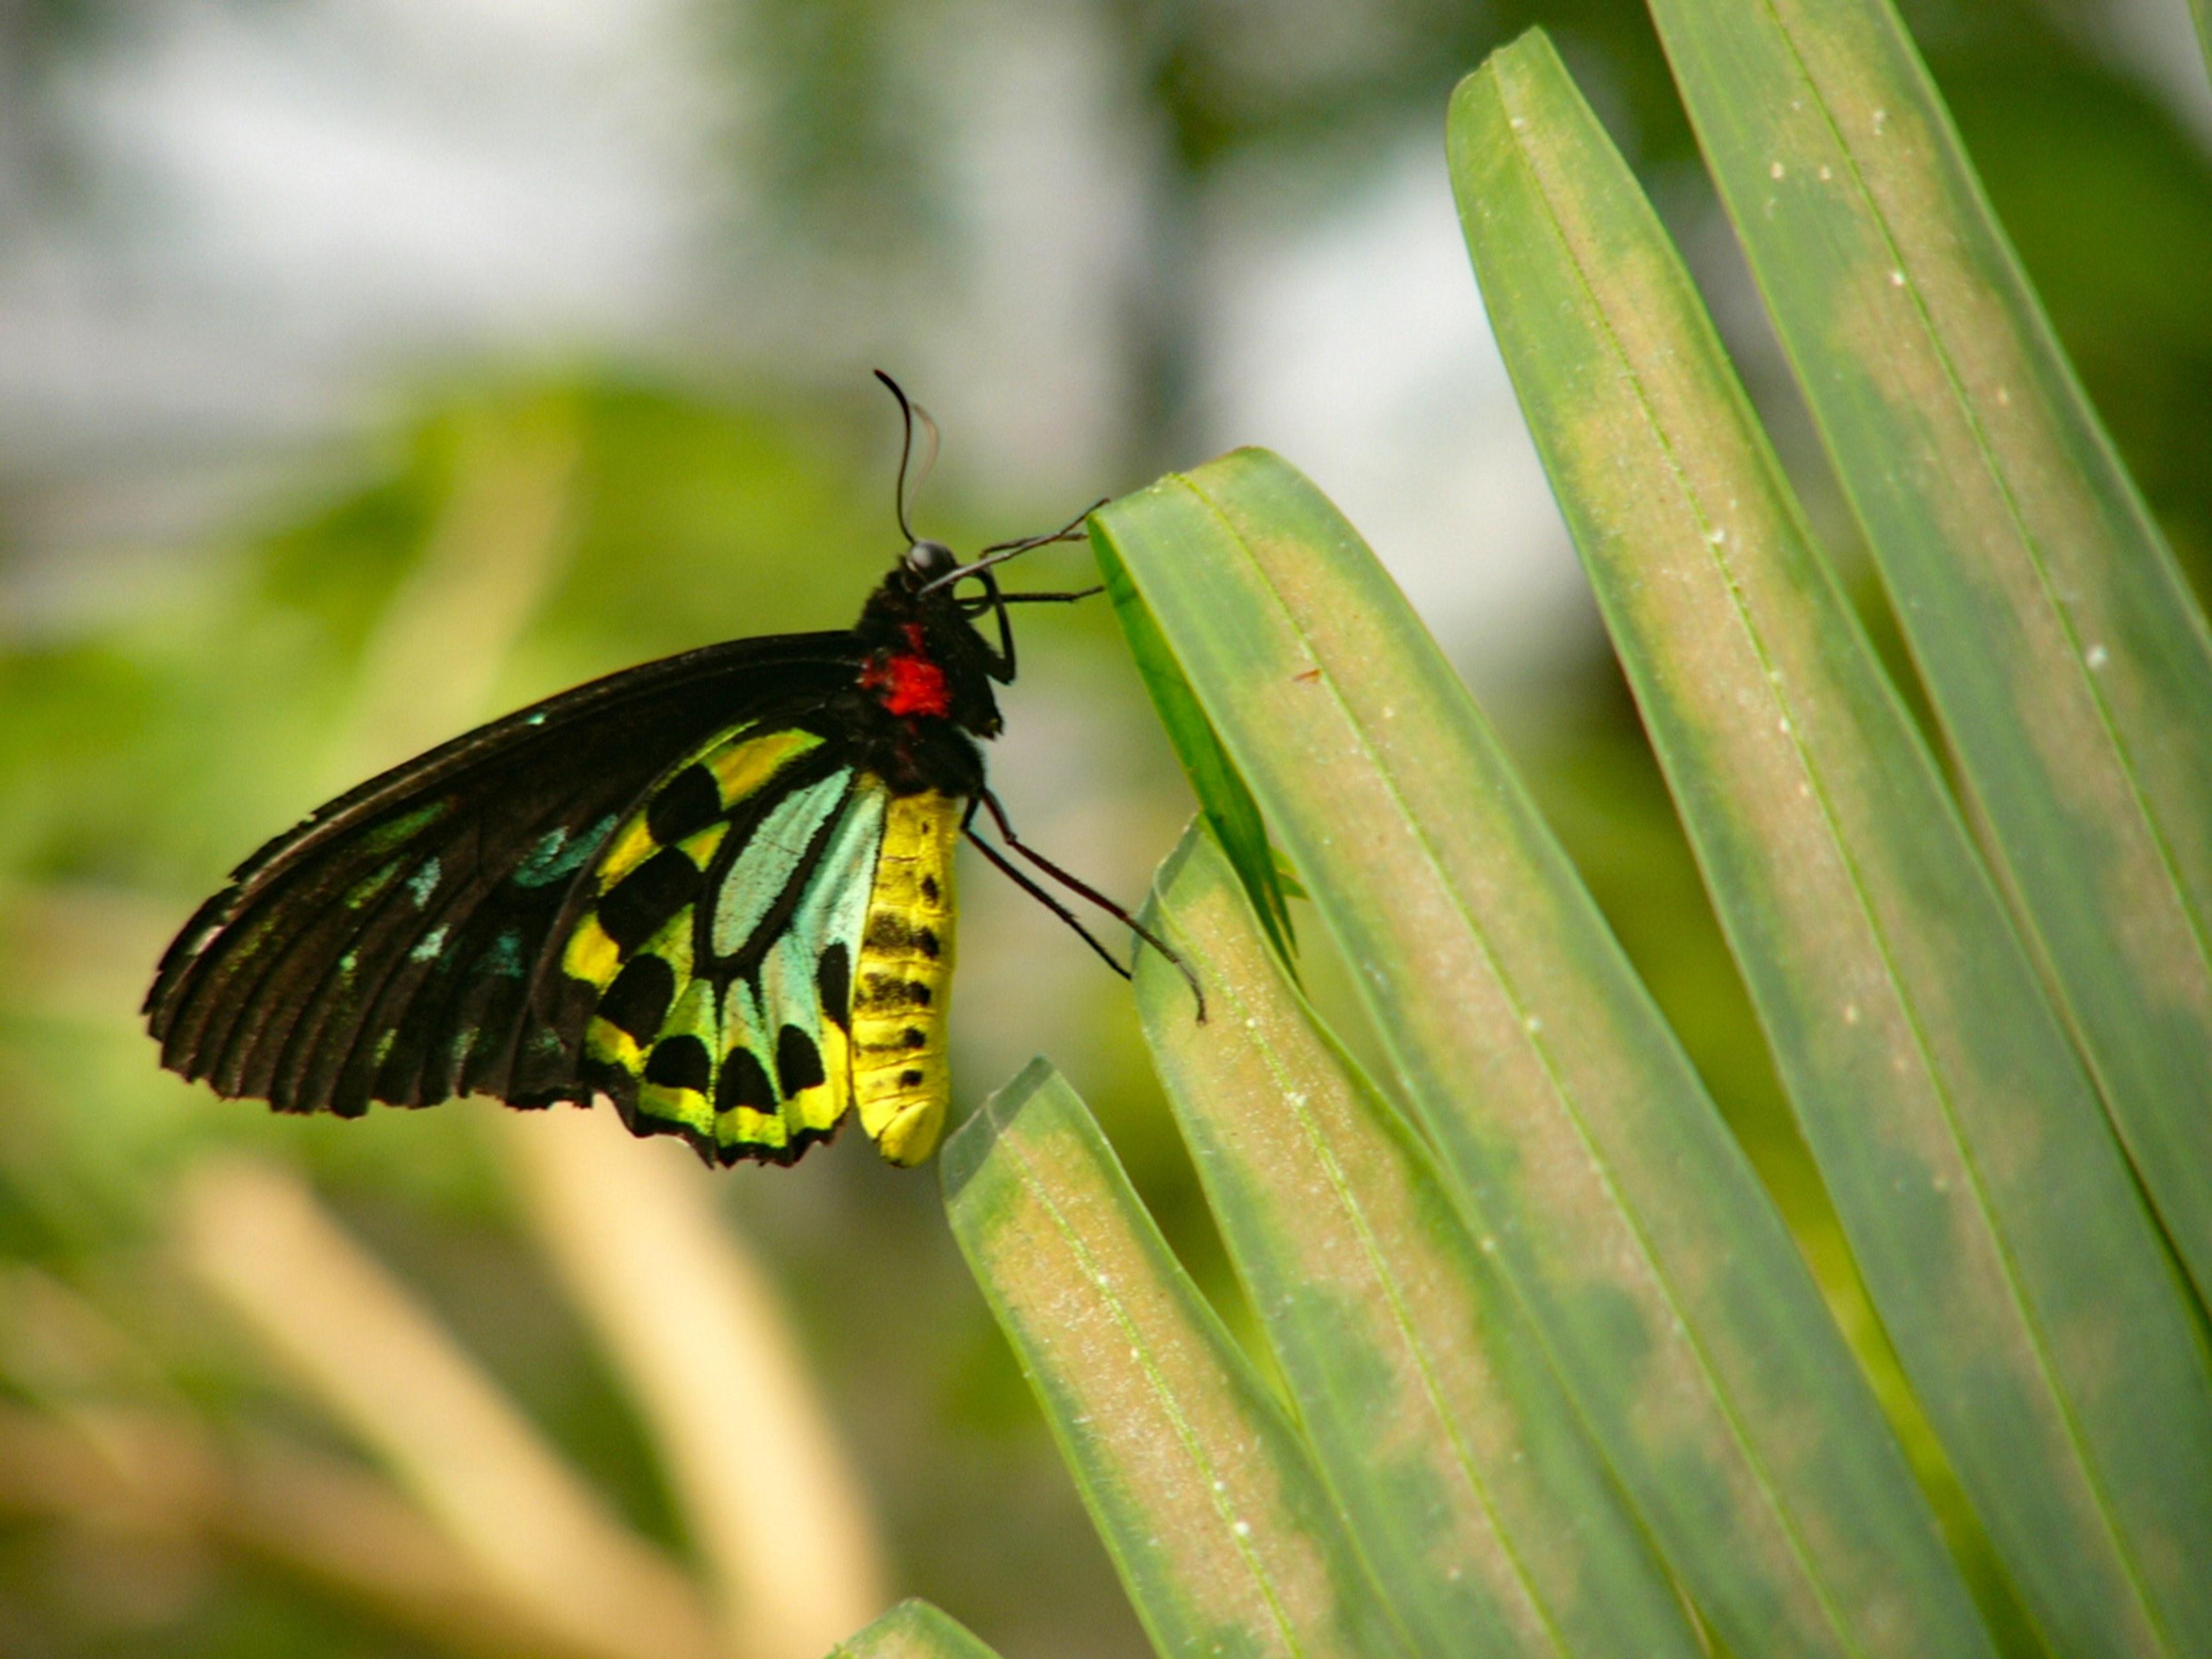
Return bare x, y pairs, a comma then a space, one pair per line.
907, 683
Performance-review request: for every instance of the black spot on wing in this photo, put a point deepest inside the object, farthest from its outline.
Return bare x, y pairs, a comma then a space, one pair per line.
833, 984
744, 1082
638, 999
685, 805
680, 1062
640, 904
798, 1062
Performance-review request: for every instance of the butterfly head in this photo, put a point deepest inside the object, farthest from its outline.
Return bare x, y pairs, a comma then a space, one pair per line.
929, 560
926, 657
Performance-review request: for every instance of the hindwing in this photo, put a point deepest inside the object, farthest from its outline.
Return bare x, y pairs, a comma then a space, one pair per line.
763, 942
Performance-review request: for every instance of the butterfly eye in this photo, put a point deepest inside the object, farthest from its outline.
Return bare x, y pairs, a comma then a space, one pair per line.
930, 559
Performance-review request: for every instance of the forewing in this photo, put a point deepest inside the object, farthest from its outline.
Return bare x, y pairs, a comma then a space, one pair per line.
390, 947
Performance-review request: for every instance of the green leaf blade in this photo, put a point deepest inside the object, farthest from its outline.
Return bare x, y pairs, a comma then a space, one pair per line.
1490, 1520
1223, 795
2066, 660
1625, 1217
1997, 1224
1206, 1499
913, 1629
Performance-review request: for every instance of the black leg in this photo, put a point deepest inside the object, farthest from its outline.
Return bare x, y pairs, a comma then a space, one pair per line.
983, 604
1003, 670
1042, 897
1075, 884
1068, 532
1051, 598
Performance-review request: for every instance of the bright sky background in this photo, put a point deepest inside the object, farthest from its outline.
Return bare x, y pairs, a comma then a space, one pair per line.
269, 216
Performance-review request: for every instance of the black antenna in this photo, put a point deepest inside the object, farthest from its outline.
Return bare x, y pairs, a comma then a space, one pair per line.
911, 413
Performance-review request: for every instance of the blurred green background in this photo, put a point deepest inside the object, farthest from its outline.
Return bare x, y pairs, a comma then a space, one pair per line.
368, 369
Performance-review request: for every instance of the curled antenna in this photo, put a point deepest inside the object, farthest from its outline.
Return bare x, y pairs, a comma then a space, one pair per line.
914, 415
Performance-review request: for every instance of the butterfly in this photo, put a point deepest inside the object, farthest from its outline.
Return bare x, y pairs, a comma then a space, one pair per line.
716, 889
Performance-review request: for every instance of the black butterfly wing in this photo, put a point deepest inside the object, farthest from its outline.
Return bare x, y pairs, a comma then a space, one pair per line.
390, 946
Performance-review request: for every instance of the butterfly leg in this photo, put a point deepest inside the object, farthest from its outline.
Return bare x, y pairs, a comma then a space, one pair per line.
1074, 884
1053, 599
1014, 873
1071, 531
1002, 661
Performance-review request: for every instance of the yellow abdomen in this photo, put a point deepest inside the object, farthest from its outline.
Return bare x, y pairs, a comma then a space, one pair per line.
900, 1078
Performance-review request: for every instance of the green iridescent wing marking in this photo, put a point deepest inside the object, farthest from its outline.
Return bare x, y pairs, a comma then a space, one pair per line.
717, 949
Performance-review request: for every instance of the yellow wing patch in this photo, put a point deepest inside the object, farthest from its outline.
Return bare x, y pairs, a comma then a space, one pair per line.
741, 767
